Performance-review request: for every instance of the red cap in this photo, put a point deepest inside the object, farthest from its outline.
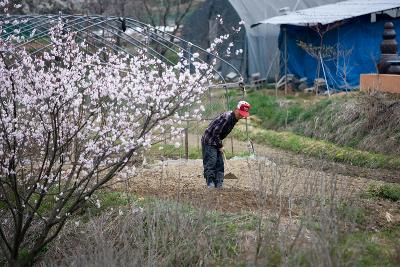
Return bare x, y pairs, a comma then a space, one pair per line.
243, 108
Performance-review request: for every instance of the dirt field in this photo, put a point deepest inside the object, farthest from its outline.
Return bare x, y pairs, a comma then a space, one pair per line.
272, 174
291, 159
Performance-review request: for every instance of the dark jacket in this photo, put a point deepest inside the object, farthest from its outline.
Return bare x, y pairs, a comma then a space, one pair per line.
218, 129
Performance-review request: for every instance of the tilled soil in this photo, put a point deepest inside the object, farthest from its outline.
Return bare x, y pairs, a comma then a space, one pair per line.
263, 181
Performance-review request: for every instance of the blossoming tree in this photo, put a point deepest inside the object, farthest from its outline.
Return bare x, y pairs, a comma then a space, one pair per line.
70, 122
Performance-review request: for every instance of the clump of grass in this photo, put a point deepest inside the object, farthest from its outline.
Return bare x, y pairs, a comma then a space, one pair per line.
274, 112
105, 200
372, 248
315, 109
386, 191
172, 56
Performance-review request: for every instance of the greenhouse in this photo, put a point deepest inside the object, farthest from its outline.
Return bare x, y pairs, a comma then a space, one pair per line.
260, 44
123, 35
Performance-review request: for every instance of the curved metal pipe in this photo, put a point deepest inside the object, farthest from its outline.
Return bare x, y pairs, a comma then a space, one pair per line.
110, 24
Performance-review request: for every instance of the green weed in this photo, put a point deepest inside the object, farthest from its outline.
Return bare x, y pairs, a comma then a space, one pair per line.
315, 110
386, 191
371, 249
269, 109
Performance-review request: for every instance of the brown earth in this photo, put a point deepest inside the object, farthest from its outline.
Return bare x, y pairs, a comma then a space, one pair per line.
272, 178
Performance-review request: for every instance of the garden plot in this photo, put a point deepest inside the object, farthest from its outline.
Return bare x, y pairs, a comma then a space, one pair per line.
258, 178
181, 174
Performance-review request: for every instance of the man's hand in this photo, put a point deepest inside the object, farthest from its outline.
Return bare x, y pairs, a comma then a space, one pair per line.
221, 149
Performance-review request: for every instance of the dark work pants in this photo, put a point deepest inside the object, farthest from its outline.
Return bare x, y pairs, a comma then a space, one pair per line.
213, 165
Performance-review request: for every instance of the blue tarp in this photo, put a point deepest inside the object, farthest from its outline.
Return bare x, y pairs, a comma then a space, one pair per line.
355, 46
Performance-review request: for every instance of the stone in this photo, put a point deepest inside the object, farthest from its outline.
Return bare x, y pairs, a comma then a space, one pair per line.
302, 86
309, 90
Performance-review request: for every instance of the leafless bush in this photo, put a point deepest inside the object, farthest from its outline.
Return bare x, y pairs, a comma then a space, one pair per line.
307, 212
382, 122
381, 109
161, 235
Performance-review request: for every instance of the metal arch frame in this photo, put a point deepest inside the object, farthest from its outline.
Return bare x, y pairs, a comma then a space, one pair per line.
74, 26
84, 24
112, 25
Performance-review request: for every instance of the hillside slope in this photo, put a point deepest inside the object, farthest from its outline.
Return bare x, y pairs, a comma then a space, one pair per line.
368, 122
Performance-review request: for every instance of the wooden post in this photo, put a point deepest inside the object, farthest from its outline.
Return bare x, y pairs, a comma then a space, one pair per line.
286, 85
187, 141
232, 145
198, 140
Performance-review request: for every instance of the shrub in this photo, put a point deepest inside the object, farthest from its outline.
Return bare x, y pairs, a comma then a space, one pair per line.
386, 191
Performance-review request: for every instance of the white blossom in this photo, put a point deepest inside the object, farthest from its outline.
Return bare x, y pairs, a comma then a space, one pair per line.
98, 205
75, 116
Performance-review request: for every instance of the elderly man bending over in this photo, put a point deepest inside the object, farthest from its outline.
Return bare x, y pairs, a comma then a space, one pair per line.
211, 143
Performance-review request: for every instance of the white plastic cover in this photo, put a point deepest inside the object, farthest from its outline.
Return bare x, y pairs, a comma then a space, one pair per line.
334, 12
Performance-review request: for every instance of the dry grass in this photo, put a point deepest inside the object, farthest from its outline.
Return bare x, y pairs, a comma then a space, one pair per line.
302, 222
368, 122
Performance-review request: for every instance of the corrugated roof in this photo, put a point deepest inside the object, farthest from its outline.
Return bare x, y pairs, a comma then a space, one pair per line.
334, 12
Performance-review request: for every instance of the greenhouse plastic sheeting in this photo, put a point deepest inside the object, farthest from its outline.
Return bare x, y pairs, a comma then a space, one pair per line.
261, 42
